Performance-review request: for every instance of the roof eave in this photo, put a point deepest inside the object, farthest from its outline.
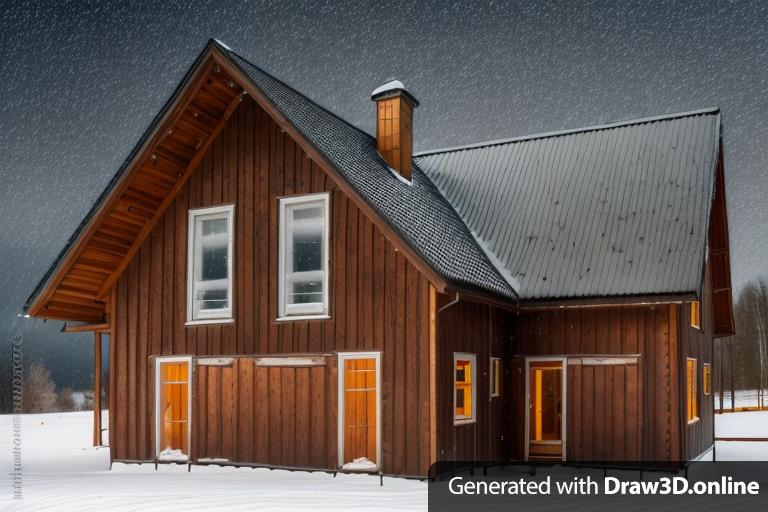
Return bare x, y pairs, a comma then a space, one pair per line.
53, 275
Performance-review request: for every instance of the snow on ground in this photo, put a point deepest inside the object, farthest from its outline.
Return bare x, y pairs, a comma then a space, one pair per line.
741, 424
63, 472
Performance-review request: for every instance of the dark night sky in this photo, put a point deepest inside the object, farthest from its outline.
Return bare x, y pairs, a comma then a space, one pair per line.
82, 80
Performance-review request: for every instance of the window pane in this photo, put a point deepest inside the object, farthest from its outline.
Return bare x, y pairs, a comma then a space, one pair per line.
303, 293
460, 399
214, 263
305, 273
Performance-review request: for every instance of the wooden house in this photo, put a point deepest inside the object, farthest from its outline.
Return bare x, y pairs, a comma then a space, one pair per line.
282, 289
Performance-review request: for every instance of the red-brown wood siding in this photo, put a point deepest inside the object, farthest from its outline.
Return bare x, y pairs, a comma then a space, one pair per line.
615, 412
378, 300
720, 260
477, 329
284, 416
698, 344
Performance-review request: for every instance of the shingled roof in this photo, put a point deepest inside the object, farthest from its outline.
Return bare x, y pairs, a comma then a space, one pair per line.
416, 210
612, 210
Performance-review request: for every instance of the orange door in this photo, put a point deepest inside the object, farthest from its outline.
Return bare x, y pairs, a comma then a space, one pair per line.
173, 408
360, 414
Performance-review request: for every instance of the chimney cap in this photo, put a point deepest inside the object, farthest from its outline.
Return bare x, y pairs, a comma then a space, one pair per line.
391, 89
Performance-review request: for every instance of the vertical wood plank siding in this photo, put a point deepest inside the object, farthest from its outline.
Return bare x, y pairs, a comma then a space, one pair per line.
698, 343
615, 412
481, 330
378, 301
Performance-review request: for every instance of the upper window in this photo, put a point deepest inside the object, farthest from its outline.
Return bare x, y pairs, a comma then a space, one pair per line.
465, 391
692, 392
696, 314
495, 376
304, 256
209, 293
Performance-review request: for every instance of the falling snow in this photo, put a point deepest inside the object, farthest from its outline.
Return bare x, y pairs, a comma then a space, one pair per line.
82, 80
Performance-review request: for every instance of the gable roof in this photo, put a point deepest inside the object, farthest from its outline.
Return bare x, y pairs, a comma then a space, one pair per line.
611, 210
417, 213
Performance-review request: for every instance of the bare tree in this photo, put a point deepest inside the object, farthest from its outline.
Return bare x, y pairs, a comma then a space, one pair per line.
65, 402
39, 390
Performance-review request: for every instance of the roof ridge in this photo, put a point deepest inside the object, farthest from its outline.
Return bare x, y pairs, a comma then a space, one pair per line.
288, 86
569, 131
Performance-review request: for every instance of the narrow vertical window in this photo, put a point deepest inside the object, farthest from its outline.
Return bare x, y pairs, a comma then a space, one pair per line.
304, 256
706, 378
464, 387
495, 376
209, 290
692, 394
696, 314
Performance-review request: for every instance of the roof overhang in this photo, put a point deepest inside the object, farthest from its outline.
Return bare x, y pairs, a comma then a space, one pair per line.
77, 285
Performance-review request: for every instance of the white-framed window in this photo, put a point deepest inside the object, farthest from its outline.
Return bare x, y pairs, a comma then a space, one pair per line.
303, 287
464, 388
495, 374
209, 264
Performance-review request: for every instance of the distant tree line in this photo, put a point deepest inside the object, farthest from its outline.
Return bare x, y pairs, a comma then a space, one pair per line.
742, 360
40, 394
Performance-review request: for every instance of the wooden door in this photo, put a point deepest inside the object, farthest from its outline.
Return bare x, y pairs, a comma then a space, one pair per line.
545, 410
173, 410
360, 436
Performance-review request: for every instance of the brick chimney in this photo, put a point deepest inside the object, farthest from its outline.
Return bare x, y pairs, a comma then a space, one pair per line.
394, 125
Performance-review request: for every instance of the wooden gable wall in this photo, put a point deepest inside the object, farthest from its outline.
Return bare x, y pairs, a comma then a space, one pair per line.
378, 300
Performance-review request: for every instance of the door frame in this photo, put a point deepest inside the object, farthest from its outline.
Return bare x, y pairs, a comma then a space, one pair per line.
344, 356
564, 391
173, 359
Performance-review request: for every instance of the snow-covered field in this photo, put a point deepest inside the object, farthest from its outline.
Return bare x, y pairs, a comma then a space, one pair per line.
63, 472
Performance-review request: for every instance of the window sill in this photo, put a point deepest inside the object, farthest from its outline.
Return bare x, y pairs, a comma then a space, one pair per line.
302, 317
209, 321
694, 420
469, 421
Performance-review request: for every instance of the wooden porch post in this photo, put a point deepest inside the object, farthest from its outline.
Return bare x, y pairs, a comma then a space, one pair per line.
97, 388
